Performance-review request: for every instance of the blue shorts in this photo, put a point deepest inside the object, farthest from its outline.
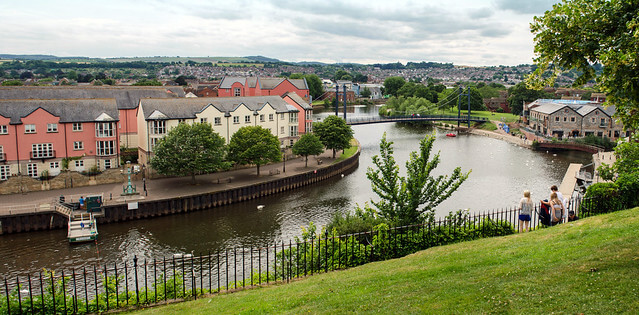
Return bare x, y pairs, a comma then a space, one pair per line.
524, 217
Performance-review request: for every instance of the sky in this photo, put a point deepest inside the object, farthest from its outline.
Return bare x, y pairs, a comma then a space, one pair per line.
463, 32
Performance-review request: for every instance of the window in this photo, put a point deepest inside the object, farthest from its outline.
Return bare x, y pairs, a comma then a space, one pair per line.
236, 119
270, 117
203, 120
105, 148
2, 157
77, 126
261, 117
572, 118
293, 131
565, 118
593, 120
218, 121
603, 121
54, 165
107, 164
309, 114
158, 127
79, 164
103, 130
78, 145
32, 170
4, 172
42, 150
4, 129
237, 92
556, 118
309, 127
30, 128
292, 118
52, 127
247, 119
281, 116
282, 130
154, 141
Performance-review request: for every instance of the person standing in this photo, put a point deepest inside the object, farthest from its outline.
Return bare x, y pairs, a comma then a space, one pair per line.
81, 202
557, 209
563, 200
525, 210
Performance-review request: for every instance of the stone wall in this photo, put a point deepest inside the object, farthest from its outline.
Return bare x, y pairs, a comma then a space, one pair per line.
67, 179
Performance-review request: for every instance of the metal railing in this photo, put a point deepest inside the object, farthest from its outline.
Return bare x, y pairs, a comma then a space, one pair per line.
184, 276
382, 119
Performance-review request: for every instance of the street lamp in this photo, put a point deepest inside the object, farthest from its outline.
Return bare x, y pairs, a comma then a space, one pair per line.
284, 158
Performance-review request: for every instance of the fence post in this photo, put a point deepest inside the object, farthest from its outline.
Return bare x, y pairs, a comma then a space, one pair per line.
137, 291
6, 291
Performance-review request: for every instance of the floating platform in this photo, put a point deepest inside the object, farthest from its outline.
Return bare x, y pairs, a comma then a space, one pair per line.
84, 229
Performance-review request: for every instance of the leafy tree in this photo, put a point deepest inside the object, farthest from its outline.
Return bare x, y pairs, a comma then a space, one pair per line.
188, 150
12, 83
316, 89
360, 78
145, 82
627, 161
334, 133
308, 144
339, 74
26, 75
476, 101
411, 199
576, 34
521, 93
393, 84
181, 80
254, 145
366, 92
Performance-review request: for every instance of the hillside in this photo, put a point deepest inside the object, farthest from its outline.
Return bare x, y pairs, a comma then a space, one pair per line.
588, 266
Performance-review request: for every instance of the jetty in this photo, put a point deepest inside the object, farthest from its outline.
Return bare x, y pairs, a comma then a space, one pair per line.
570, 179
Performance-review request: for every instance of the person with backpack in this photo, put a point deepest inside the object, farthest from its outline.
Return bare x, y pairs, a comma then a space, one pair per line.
525, 210
557, 209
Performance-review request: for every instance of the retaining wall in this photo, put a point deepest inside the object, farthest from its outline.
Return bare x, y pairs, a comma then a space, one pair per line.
161, 207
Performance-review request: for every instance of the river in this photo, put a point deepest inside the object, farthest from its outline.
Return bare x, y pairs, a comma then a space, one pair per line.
500, 173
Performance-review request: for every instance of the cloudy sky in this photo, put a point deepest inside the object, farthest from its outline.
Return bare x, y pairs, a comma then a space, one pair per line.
464, 32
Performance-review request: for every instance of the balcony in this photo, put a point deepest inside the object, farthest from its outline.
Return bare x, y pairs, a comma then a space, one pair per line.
104, 153
42, 155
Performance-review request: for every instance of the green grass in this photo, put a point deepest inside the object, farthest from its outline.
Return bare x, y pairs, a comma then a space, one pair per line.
590, 266
348, 152
490, 115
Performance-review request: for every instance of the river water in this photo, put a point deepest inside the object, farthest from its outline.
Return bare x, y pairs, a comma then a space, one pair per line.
500, 173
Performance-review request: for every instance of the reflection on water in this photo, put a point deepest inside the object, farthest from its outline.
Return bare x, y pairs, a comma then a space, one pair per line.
500, 173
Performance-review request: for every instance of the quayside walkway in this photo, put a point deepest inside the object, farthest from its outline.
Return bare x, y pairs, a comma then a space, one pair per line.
163, 188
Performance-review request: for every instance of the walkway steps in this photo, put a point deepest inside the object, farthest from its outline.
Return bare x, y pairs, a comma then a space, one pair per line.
570, 180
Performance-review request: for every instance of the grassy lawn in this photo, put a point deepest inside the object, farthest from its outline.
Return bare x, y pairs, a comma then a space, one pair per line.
348, 152
492, 116
589, 266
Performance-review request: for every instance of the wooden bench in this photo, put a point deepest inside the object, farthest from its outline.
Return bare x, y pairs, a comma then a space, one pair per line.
274, 171
224, 180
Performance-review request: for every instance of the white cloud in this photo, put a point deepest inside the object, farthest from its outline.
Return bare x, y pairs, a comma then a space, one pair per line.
488, 32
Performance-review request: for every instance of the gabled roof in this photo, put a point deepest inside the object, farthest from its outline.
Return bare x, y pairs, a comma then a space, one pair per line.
299, 83
583, 108
227, 82
76, 110
297, 99
252, 81
270, 83
127, 97
187, 108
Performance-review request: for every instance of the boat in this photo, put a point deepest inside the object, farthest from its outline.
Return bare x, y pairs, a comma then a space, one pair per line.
451, 135
83, 229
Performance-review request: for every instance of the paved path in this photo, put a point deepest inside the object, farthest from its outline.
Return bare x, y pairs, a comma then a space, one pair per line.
164, 187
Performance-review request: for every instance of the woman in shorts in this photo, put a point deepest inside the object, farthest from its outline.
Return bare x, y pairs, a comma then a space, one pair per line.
525, 210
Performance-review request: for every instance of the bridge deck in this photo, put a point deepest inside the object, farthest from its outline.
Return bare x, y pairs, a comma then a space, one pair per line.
380, 119
570, 180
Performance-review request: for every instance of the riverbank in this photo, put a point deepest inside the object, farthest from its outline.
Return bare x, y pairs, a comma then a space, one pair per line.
172, 195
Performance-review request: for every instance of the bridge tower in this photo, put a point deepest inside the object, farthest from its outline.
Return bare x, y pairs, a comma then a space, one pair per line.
459, 104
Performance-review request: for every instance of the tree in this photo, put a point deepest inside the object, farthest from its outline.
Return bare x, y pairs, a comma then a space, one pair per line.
254, 145
145, 82
393, 84
308, 144
181, 80
411, 199
315, 87
366, 92
577, 34
334, 133
189, 150
521, 93
12, 83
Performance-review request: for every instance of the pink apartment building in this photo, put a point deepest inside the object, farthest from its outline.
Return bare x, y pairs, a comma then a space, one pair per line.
258, 86
44, 136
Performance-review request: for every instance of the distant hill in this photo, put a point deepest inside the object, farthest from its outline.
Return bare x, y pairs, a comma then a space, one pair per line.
262, 59
28, 57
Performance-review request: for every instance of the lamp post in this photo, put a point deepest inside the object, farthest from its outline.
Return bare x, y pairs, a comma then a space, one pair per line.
129, 189
284, 159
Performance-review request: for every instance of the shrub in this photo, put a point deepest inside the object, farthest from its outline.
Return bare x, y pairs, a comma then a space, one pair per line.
601, 198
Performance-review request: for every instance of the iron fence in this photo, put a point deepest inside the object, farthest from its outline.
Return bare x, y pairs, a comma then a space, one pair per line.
186, 276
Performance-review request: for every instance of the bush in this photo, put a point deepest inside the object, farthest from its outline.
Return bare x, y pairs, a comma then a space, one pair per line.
628, 189
601, 198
